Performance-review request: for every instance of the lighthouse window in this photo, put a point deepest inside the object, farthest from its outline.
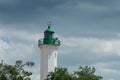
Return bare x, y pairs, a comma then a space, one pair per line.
55, 55
48, 35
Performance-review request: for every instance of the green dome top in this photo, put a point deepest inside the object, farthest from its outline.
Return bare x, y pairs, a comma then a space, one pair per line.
49, 30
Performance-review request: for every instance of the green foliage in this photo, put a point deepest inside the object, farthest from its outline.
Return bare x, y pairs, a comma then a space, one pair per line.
83, 73
17, 71
86, 73
59, 74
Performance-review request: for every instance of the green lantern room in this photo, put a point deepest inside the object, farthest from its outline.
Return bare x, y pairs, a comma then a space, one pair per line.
49, 38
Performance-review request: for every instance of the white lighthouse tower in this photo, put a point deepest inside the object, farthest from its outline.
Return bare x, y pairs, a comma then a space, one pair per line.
48, 46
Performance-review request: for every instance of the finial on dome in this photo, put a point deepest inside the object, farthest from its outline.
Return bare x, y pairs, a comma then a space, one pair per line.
49, 24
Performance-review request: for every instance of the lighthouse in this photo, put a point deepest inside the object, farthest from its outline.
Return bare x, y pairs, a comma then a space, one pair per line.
48, 47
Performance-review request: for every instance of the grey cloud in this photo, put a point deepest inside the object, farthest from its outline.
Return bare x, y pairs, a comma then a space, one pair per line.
25, 11
88, 18
82, 57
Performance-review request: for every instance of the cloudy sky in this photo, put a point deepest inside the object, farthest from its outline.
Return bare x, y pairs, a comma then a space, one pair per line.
89, 31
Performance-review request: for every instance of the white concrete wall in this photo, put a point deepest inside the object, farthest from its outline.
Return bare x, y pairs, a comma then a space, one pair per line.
52, 61
44, 64
48, 51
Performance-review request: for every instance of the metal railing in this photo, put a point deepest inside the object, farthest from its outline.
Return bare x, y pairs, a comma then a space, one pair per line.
41, 42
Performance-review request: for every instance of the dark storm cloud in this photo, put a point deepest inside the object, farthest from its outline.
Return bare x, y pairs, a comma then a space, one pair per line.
22, 9
20, 14
87, 17
97, 2
24, 6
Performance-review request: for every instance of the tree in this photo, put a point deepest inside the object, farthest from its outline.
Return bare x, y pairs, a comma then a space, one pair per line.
83, 73
15, 72
59, 74
86, 73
